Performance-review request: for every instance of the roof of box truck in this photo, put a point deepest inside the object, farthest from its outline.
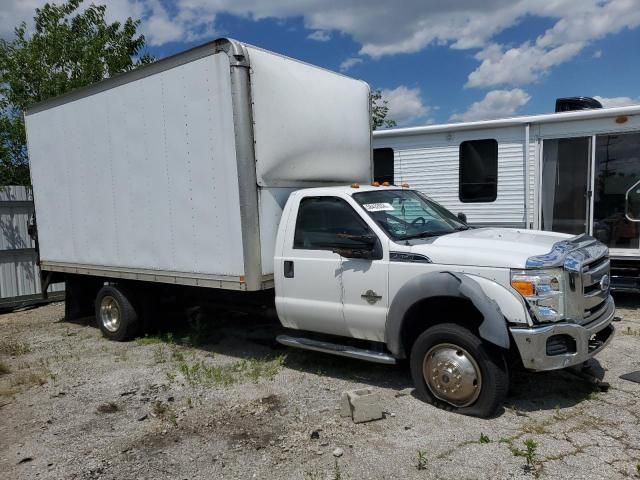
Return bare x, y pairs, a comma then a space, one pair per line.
512, 122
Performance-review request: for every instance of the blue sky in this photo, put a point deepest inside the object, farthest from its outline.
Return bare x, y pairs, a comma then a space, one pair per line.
434, 61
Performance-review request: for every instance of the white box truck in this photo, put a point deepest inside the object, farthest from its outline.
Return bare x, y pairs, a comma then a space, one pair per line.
218, 175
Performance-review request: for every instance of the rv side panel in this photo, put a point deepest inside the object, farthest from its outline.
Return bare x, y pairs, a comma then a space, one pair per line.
431, 163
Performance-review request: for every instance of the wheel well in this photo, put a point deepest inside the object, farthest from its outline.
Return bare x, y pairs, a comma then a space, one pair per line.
431, 311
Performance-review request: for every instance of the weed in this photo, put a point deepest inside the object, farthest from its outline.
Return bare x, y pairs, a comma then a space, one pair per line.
14, 348
337, 474
189, 402
529, 453
422, 460
178, 355
535, 427
159, 354
313, 475
109, 407
4, 369
164, 412
630, 331
484, 438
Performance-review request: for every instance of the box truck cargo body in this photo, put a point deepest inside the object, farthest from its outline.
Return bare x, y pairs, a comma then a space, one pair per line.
177, 172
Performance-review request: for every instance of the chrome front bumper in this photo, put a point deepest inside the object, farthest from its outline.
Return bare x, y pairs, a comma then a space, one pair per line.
534, 343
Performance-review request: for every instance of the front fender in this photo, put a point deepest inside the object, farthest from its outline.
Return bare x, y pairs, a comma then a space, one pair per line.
497, 304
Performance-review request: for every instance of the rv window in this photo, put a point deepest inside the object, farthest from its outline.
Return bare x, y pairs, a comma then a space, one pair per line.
383, 165
478, 181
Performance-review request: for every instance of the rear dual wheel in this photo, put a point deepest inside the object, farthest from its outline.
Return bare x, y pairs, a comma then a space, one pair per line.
115, 313
454, 369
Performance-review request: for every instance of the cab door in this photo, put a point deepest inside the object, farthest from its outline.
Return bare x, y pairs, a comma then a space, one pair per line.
323, 291
311, 293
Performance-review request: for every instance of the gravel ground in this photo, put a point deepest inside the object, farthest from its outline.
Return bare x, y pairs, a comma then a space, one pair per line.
220, 400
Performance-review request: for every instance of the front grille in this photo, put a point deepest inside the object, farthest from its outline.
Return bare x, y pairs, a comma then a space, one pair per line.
595, 291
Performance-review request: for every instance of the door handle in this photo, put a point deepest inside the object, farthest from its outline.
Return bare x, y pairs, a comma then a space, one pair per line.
288, 269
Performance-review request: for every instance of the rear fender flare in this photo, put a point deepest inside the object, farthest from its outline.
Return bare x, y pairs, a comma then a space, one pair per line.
496, 304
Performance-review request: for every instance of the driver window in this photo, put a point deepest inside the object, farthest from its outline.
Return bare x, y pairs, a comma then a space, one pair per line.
321, 220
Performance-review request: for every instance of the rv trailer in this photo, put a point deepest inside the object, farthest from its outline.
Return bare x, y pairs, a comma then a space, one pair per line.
569, 172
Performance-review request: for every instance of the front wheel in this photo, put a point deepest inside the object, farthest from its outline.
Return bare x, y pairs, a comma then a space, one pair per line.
453, 369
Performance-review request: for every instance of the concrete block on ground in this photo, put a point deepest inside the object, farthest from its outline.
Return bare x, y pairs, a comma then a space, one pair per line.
361, 405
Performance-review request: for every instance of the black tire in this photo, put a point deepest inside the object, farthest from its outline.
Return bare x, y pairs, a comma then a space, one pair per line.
128, 324
494, 383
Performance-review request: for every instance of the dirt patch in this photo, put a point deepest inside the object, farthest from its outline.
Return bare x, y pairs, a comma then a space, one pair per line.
218, 399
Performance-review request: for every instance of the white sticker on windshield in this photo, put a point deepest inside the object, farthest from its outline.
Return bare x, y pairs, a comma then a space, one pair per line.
378, 207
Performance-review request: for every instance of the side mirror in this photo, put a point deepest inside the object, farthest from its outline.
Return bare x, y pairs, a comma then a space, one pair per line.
358, 246
462, 217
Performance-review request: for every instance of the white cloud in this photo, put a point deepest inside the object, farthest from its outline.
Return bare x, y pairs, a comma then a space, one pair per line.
349, 63
597, 54
384, 28
495, 104
319, 36
405, 104
590, 21
609, 102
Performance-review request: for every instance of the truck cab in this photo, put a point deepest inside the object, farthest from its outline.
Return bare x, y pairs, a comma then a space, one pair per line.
388, 265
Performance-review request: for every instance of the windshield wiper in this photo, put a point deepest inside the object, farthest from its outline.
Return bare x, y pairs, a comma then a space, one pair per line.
424, 235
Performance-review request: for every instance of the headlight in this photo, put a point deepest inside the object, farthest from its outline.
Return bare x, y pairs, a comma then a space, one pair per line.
543, 290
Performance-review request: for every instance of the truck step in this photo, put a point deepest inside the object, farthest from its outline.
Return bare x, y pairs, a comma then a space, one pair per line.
336, 349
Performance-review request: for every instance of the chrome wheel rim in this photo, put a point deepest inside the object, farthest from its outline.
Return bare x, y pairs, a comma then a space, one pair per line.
110, 313
452, 374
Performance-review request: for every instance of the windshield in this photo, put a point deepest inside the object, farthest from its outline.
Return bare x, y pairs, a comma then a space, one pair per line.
406, 214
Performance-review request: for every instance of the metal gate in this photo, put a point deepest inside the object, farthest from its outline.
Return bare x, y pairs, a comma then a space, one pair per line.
19, 274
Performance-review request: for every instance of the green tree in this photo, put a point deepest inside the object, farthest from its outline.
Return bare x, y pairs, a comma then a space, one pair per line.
379, 111
68, 48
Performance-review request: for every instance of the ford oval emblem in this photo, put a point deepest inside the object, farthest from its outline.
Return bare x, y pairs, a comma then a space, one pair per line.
605, 283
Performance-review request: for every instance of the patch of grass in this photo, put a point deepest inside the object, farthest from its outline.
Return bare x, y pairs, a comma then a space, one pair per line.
484, 438
109, 407
255, 369
29, 379
422, 460
154, 339
4, 369
13, 348
201, 373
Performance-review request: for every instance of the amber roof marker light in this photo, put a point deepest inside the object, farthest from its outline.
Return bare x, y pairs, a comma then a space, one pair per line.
355, 185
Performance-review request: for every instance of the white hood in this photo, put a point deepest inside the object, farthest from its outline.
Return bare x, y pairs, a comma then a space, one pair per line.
488, 247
